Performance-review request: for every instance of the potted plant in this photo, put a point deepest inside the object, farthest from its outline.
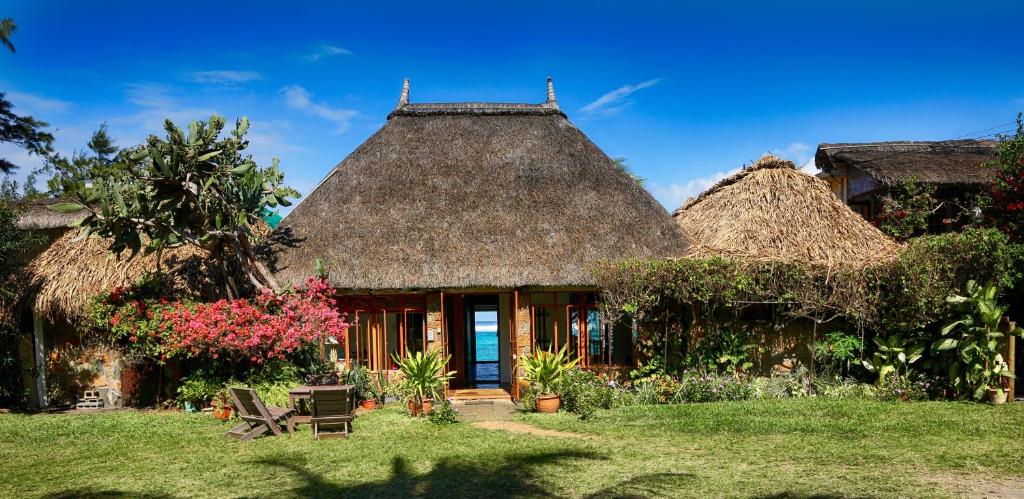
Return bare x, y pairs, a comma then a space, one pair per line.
423, 379
359, 378
544, 370
222, 407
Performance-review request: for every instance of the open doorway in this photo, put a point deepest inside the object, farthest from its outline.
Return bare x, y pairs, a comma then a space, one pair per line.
482, 342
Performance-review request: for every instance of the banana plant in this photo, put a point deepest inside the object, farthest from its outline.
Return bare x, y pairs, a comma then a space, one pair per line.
893, 357
975, 341
544, 370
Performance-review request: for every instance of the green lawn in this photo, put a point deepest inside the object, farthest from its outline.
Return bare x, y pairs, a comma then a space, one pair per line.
789, 448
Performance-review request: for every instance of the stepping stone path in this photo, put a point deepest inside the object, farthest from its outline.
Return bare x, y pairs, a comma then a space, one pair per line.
485, 410
497, 415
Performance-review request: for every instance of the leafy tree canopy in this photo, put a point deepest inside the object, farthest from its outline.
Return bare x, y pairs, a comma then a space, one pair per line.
191, 187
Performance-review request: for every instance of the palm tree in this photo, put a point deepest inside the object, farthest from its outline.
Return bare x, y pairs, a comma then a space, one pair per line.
7, 27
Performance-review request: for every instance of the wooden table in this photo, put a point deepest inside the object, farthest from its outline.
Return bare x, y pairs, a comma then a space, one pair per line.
304, 392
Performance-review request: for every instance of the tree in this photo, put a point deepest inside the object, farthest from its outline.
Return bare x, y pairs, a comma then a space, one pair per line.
7, 28
23, 131
68, 173
188, 188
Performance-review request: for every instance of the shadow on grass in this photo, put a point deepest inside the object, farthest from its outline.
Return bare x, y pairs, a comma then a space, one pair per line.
515, 476
97, 494
791, 495
653, 485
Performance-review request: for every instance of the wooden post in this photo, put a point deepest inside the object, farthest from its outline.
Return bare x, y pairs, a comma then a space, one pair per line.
1011, 360
38, 336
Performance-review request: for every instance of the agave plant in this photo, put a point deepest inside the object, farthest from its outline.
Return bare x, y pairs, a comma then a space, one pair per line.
423, 374
545, 369
976, 340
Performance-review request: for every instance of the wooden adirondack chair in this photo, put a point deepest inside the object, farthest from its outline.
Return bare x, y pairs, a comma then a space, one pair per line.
257, 418
332, 409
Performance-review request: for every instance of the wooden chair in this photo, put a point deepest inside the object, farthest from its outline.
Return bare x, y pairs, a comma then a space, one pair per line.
257, 418
331, 409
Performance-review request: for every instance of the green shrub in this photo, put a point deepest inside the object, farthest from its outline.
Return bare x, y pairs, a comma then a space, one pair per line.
711, 388
199, 388
836, 352
444, 414
584, 392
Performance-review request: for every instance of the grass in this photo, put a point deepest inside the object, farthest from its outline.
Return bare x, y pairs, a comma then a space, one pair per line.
788, 448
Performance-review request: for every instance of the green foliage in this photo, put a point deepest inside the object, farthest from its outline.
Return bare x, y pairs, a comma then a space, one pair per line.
583, 392
423, 374
13, 393
443, 414
976, 342
191, 187
359, 377
689, 311
1006, 206
24, 132
544, 369
7, 28
81, 169
892, 358
697, 387
13, 242
200, 387
906, 208
834, 354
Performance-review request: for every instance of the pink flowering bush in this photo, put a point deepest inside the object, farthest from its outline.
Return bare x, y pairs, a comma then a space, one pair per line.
269, 326
264, 328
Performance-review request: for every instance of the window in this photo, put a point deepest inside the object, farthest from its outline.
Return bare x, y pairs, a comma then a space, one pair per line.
560, 319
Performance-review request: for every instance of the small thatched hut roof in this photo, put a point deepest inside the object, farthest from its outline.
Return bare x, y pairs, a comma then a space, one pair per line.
461, 195
59, 283
957, 162
772, 211
37, 214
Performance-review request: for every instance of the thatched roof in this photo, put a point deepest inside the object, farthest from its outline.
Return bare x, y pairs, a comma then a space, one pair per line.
37, 215
772, 211
461, 195
61, 281
944, 162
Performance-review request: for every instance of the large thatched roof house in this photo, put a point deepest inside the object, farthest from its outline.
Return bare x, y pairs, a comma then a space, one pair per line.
773, 211
456, 214
860, 173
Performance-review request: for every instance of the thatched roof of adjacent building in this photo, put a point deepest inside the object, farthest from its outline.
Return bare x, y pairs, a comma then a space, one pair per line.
944, 162
773, 211
462, 195
60, 282
38, 215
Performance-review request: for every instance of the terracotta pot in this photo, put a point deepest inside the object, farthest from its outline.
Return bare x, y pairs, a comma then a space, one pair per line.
548, 404
993, 396
224, 412
420, 409
368, 404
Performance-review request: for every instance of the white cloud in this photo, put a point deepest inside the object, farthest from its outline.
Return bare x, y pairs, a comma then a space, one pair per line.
615, 101
325, 51
800, 153
34, 103
267, 139
152, 95
299, 98
223, 76
672, 196
158, 103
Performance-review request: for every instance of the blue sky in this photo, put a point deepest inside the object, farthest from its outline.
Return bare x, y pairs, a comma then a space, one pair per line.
685, 91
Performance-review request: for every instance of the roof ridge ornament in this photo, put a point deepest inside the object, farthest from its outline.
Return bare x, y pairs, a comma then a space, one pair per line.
551, 102
403, 100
